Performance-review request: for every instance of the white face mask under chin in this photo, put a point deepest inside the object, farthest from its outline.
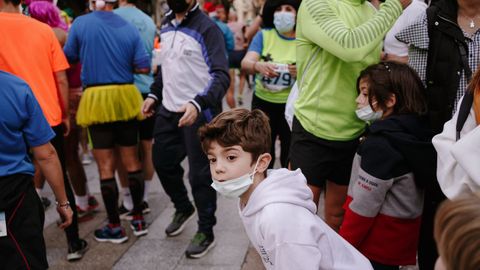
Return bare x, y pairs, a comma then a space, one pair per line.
367, 114
233, 188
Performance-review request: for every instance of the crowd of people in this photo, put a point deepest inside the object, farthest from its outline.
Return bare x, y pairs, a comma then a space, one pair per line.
374, 104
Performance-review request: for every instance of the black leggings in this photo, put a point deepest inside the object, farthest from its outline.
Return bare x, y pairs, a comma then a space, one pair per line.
57, 142
278, 126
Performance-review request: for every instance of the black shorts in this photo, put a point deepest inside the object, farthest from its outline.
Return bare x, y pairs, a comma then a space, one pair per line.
319, 159
235, 58
108, 135
145, 129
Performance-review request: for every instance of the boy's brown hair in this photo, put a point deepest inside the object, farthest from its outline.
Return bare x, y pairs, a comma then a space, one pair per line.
457, 232
248, 129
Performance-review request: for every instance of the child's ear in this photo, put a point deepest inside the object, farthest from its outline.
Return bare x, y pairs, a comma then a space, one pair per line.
263, 162
391, 101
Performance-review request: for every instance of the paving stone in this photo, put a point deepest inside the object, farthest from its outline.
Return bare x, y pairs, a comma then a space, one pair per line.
152, 254
207, 267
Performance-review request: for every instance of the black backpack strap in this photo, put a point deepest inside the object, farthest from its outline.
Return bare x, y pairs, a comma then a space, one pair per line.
466, 105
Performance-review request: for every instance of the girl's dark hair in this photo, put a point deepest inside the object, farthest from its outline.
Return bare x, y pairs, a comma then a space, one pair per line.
269, 9
387, 78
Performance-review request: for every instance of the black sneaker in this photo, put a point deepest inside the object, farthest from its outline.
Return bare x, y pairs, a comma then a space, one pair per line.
145, 208
178, 223
76, 251
123, 212
138, 225
128, 215
200, 245
46, 202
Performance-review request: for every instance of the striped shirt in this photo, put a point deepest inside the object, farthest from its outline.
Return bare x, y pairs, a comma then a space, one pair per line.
417, 37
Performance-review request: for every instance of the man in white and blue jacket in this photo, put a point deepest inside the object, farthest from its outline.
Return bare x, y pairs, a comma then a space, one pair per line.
186, 94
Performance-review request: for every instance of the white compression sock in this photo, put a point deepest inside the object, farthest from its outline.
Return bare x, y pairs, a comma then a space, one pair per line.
127, 198
148, 183
82, 202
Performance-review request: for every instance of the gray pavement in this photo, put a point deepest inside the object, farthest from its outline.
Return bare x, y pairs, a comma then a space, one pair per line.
155, 250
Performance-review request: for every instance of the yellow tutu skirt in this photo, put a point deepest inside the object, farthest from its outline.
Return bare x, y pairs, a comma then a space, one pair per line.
109, 103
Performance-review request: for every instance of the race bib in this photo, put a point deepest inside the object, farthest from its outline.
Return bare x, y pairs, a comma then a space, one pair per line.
3, 225
283, 81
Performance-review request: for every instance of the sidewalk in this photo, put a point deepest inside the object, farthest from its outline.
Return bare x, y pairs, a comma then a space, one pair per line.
154, 251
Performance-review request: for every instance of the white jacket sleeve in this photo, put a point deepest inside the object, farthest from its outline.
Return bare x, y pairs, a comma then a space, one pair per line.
458, 162
295, 256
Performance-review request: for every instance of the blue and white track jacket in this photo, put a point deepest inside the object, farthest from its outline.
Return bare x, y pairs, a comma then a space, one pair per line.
194, 66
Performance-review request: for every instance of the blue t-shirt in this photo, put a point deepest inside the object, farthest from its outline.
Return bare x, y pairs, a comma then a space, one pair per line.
22, 125
257, 43
108, 47
146, 28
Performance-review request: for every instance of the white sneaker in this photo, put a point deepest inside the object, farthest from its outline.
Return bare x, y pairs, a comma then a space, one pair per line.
86, 159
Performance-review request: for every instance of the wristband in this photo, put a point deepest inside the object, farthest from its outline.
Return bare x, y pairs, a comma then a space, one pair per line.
65, 205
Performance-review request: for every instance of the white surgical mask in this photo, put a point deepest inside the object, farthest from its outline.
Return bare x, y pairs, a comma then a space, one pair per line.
233, 188
284, 21
367, 114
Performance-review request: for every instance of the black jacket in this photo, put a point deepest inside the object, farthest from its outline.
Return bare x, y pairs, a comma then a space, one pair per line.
444, 65
409, 140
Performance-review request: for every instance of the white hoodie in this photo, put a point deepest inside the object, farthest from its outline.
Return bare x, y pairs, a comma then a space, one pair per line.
458, 171
281, 223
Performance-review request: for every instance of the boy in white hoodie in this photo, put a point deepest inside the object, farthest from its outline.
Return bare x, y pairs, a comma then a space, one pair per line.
276, 207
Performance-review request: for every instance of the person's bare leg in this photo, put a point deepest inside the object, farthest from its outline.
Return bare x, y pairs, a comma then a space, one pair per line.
147, 163
106, 162
74, 165
335, 197
316, 193
243, 79
230, 96
121, 171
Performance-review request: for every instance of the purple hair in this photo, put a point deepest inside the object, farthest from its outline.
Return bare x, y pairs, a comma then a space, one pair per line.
47, 13
28, 2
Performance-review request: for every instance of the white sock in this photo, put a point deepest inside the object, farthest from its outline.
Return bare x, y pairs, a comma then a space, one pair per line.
148, 183
82, 202
127, 198
87, 190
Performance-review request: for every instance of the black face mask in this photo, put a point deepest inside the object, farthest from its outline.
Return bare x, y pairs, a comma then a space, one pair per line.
178, 6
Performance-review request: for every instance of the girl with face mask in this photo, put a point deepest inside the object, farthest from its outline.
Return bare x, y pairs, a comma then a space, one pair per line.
392, 167
271, 57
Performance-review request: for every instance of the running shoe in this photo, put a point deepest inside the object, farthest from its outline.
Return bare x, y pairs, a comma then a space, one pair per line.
76, 250
200, 245
139, 226
178, 223
46, 202
86, 159
111, 233
92, 203
128, 215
